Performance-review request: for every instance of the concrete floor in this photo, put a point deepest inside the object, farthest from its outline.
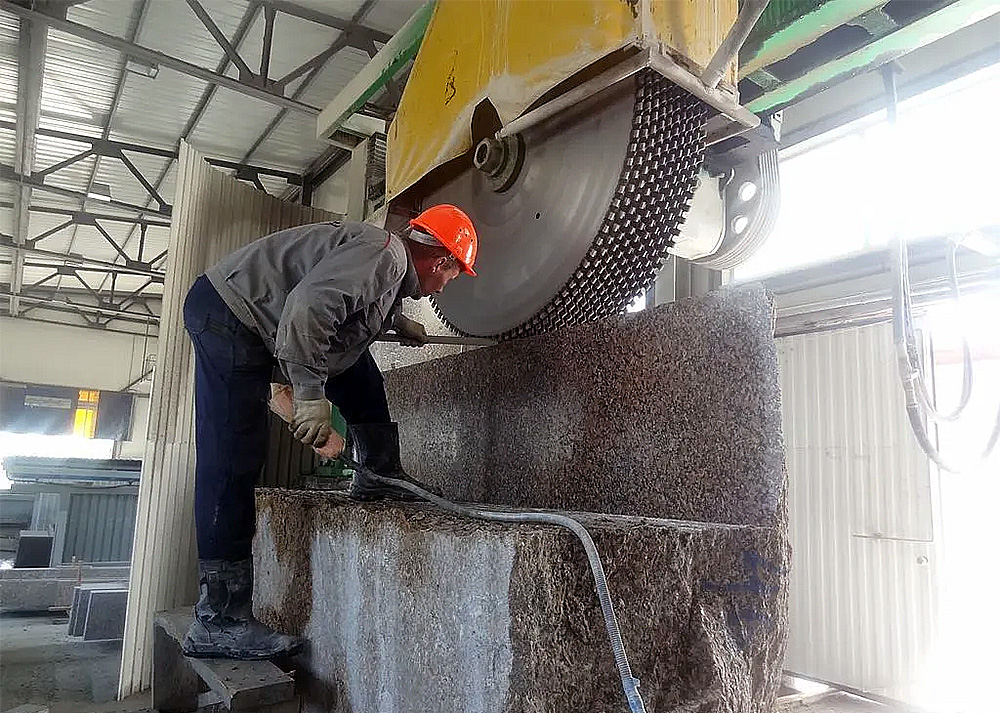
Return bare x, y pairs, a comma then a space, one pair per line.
40, 664
833, 702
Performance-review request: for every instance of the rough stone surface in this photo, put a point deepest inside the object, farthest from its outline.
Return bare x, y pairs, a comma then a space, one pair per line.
670, 412
413, 610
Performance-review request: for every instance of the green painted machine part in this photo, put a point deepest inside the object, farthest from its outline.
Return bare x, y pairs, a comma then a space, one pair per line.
801, 47
335, 469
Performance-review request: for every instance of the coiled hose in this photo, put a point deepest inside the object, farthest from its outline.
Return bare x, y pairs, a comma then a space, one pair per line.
630, 684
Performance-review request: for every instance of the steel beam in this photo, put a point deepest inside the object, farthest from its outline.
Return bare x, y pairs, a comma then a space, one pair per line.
86, 297
64, 269
135, 332
155, 194
815, 21
116, 149
265, 51
32, 38
321, 18
246, 74
132, 268
86, 216
399, 50
337, 45
101, 146
312, 64
135, 22
291, 178
32, 242
907, 38
38, 175
7, 173
249, 15
70, 306
149, 55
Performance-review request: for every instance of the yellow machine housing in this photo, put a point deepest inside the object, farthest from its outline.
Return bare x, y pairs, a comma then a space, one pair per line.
512, 52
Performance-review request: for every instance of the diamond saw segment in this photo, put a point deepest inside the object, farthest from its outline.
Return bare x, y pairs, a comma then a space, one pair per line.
585, 227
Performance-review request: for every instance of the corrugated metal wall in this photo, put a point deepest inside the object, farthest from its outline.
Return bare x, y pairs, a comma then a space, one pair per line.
213, 215
99, 527
863, 587
287, 459
45, 515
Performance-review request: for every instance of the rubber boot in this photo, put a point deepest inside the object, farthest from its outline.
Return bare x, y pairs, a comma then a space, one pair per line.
224, 625
375, 446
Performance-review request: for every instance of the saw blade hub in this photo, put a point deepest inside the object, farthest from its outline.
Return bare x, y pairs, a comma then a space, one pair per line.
500, 159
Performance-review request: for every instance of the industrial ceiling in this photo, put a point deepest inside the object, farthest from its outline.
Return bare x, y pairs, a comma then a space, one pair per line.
95, 98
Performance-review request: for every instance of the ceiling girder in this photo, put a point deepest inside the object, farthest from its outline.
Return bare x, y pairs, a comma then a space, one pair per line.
320, 62
32, 38
134, 268
249, 15
87, 215
135, 23
156, 57
250, 83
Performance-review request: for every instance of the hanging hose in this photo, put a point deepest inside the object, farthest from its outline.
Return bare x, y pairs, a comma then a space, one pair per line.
630, 684
918, 400
911, 375
926, 402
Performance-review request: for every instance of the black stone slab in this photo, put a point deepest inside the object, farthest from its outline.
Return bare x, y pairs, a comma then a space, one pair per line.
105, 620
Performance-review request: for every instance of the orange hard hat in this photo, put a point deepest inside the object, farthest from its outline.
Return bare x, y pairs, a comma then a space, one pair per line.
451, 227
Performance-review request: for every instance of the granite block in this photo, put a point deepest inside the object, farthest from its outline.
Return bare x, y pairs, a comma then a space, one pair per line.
410, 609
671, 412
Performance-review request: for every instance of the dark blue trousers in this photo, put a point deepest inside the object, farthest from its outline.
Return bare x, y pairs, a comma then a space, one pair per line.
233, 370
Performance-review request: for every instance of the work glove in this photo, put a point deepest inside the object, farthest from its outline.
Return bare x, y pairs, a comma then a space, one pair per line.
411, 332
311, 422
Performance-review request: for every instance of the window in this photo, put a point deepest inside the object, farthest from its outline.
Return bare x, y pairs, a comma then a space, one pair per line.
932, 174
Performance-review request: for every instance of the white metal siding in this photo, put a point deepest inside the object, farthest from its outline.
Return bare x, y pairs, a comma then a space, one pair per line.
213, 215
863, 595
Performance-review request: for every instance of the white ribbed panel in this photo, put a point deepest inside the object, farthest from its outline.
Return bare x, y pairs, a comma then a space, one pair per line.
863, 585
213, 215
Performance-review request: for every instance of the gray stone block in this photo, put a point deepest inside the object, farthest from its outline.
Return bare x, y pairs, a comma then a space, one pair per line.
416, 611
105, 618
81, 603
40, 589
77, 615
178, 680
671, 412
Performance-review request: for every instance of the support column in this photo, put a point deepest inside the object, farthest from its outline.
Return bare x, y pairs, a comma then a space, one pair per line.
357, 182
213, 215
680, 279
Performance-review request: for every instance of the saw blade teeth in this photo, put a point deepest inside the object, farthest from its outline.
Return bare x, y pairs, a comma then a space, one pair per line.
653, 194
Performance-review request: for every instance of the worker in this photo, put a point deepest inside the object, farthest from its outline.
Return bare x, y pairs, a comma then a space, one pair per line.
310, 301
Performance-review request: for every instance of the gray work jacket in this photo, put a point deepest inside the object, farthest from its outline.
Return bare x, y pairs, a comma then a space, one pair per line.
318, 295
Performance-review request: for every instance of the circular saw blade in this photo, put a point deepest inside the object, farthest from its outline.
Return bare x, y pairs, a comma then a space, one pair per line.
587, 223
